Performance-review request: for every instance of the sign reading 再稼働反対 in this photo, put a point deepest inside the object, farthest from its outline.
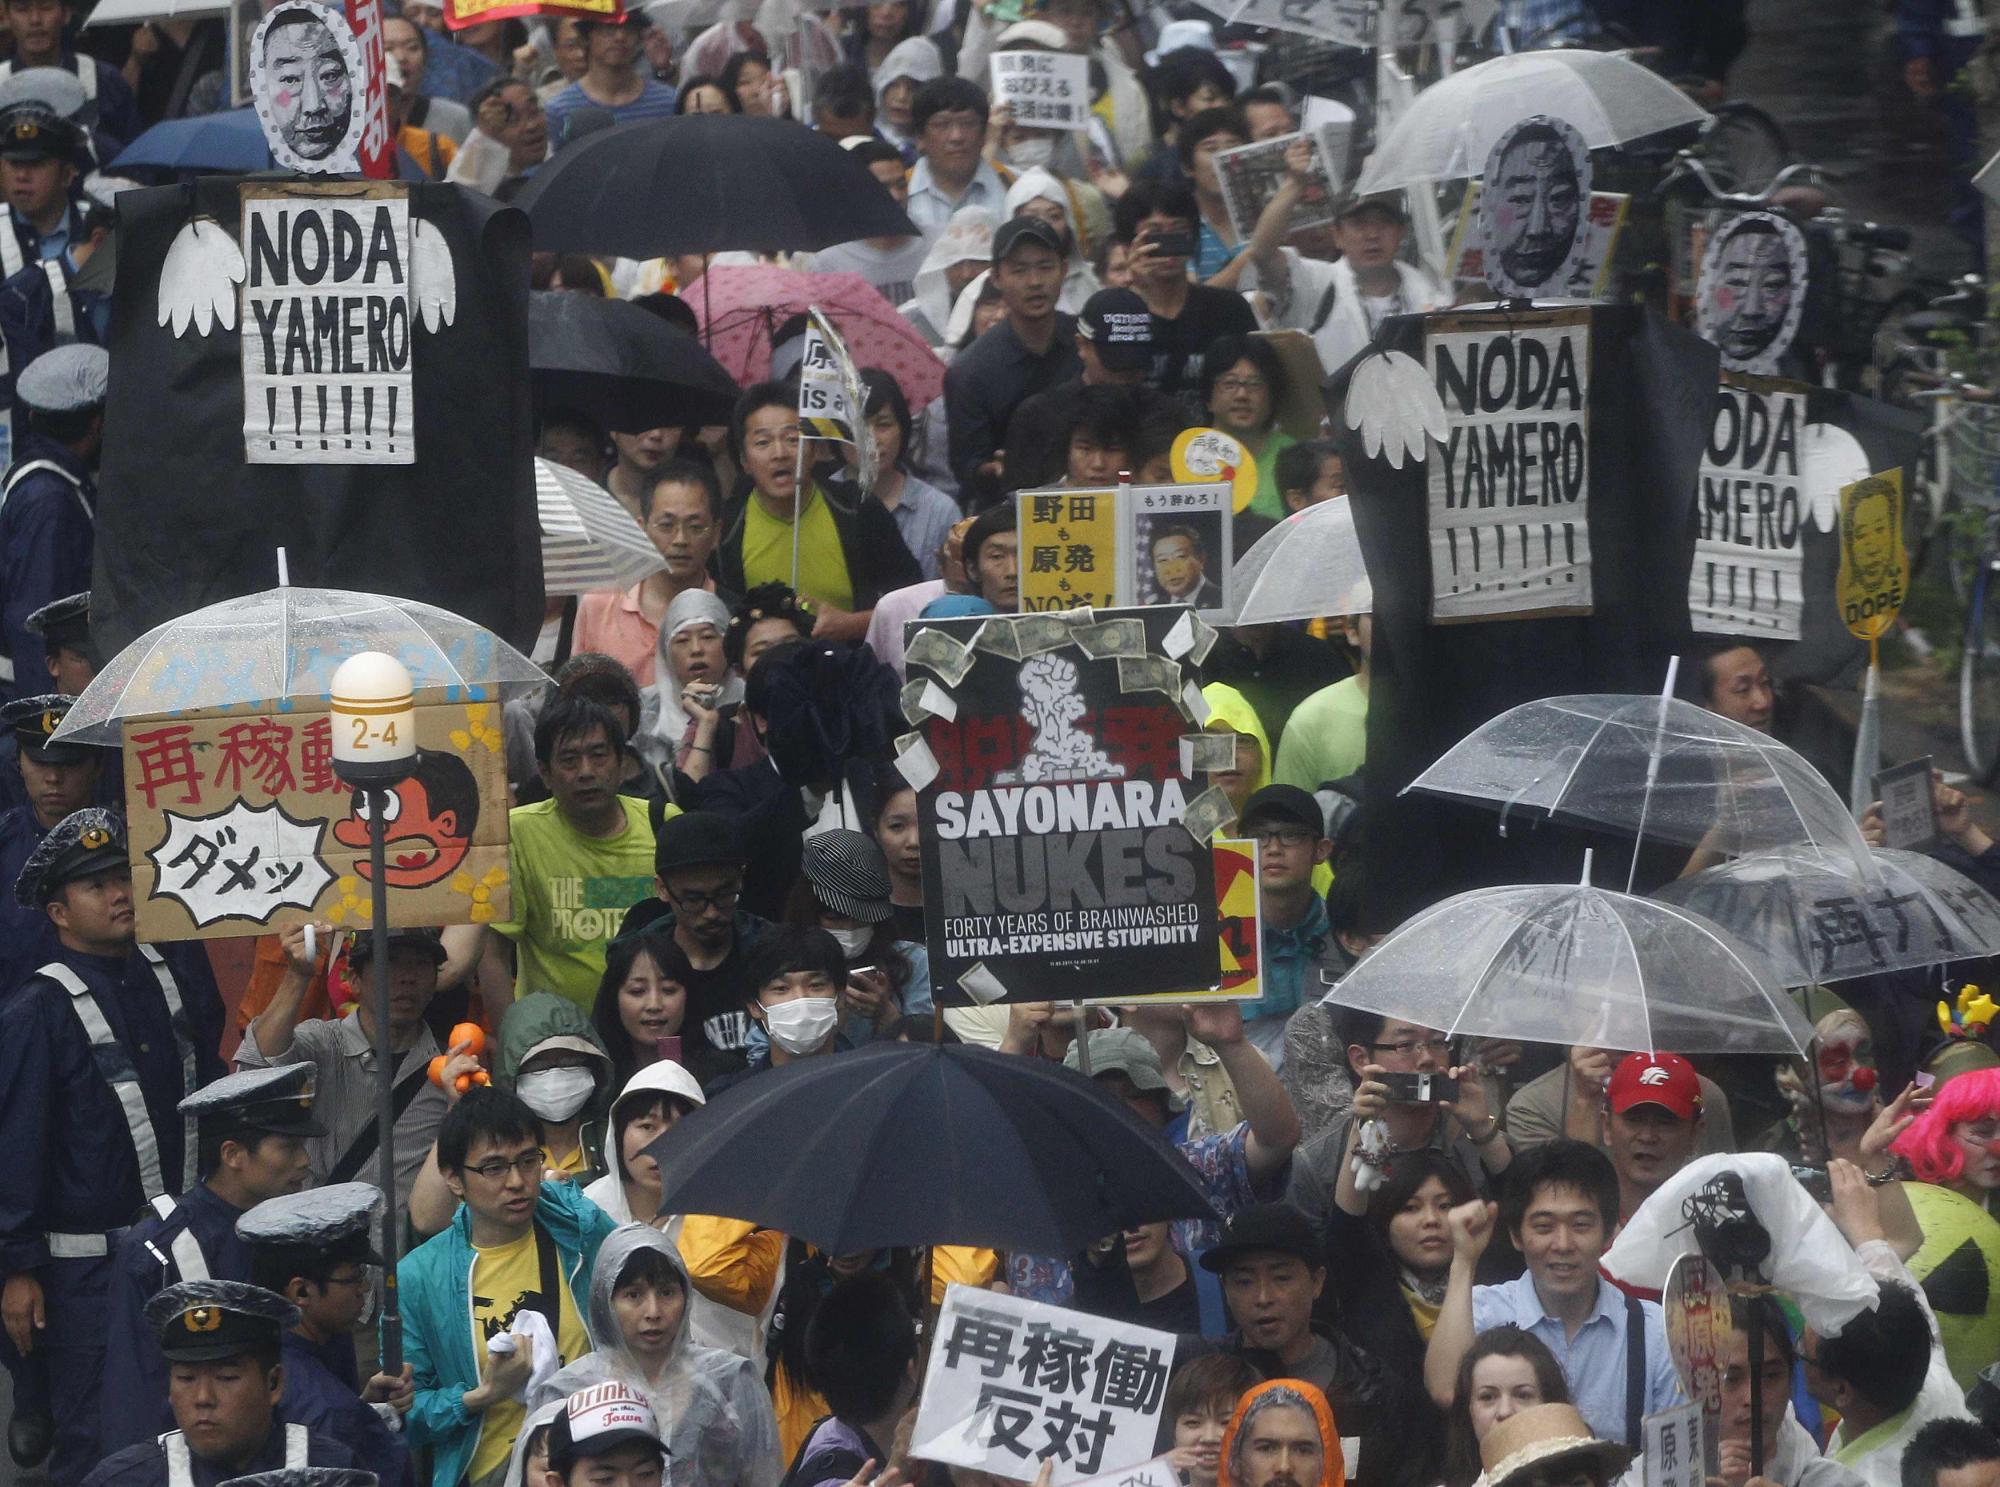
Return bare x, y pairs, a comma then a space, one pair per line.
1510, 482
1013, 1383
1749, 563
327, 326
239, 824
1044, 90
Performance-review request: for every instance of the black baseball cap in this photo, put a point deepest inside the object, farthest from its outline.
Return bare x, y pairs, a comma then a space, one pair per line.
1286, 803
1267, 1228
1018, 230
1118, 325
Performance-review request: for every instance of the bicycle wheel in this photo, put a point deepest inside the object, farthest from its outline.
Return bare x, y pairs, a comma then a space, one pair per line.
1979, 675
1745, 147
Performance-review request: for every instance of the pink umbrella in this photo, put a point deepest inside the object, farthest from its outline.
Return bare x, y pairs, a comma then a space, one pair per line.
740, 307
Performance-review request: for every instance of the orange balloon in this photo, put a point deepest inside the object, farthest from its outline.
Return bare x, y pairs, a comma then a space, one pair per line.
437, 1070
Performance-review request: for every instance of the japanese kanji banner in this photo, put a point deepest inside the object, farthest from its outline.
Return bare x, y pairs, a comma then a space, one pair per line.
1045, 90
1749, 557
1069, 549
1065, 828
1132, 544
1509, 513
1013, 1383
238, 824
458, 14
833, 400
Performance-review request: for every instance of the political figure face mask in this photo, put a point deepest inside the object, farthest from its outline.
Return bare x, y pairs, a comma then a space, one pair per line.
306, 78
1531, 208
1753, 291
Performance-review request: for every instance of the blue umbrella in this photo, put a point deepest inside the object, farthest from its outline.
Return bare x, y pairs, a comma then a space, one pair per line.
231, 141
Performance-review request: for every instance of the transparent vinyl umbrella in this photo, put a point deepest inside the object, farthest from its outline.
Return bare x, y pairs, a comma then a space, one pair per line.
286, 642
1446, 134
1548, 963
1306, 566
1652, 766
589, 541
1819, 921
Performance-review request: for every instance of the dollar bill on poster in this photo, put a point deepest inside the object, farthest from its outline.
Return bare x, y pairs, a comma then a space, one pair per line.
1531, 208
1057, 857
1013, 1383
833, 400
327, 326
1509, 486
239, 825
1177, 544
1752, 291
1749, 561
1045, 90
310, 87
1251, 174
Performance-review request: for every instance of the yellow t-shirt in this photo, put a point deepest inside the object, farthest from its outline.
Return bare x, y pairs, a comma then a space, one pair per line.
503, 1280
767, 553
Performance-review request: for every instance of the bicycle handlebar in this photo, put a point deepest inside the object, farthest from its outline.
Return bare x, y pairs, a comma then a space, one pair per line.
1688, 163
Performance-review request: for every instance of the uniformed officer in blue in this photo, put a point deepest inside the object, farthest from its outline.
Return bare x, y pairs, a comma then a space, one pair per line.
225, 1388
45, 298
44, 781
315, 1249
68, 652
48, 500
40, 29
97, 1049
252, 1129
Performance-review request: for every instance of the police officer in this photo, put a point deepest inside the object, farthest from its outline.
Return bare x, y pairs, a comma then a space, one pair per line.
39, 28
67, 649
314, 1249
41, 781
253, 1129
221, 1339
97, 1049
48, 501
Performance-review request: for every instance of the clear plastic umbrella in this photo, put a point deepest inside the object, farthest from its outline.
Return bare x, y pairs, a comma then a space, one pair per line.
1819, 922
1446, 134
287, 642
1306, 566
1577, 965
589, 541
1653, 766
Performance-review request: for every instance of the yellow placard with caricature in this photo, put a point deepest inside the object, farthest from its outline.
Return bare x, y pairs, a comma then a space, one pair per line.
1874, 564
1201, 455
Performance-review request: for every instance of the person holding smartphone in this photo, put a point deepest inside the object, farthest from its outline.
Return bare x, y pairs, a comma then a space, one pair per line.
1156, 220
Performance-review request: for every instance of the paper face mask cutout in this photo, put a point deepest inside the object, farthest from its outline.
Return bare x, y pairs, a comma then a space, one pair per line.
1753, 291
308, 84
1532, 207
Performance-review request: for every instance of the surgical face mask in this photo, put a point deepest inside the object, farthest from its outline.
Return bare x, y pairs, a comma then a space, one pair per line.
854, 941
801, 1025
1031, 152
556, 1094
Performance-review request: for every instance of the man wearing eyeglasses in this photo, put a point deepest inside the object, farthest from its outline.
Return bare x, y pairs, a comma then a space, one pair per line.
680, 506
697, 881
516, 1245
1291, 838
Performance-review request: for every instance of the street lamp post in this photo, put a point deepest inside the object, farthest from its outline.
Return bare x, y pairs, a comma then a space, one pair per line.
374, 750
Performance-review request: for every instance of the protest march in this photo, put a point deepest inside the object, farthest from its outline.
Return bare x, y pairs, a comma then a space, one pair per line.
999, 743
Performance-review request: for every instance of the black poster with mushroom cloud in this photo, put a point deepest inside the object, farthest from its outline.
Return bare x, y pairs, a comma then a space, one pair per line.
337, 368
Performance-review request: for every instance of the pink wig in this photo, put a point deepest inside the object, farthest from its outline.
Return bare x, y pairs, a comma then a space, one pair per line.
1928, 1145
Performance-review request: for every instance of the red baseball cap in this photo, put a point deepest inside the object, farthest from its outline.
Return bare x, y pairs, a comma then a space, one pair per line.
1663, 1079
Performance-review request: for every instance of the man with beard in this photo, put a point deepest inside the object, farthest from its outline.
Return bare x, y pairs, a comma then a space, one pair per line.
1538, 208
1752, 295
1283, 1435
306, 79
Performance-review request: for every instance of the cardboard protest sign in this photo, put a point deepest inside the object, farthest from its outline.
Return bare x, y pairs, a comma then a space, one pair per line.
1130, 544
833, 400
1064, 848
1014, 1383
1874, 565
310, 88
1752, 290
1159, 1472
1509, 512
1251, 174
458, 14
1673, 1447
1531, 217
1749, 557
1069, 549
1909, 806
1045, 90
326, 327
1603, 222
239, 825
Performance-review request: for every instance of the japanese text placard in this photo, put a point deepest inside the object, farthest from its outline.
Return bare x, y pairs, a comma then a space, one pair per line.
1045, 90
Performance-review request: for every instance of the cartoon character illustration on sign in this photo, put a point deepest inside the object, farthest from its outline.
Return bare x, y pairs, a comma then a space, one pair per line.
431, 817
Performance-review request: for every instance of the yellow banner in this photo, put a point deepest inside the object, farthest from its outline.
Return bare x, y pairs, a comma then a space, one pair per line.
1874, 564
1069, 549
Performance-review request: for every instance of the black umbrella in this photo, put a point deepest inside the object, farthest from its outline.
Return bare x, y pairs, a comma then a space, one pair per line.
905, 1144
705, 183
624, 366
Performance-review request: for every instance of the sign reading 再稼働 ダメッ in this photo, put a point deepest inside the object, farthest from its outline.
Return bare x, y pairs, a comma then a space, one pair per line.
327, 326
1509, 487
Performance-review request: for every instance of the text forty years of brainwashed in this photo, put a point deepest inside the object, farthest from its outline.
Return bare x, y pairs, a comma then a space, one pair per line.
983, 935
